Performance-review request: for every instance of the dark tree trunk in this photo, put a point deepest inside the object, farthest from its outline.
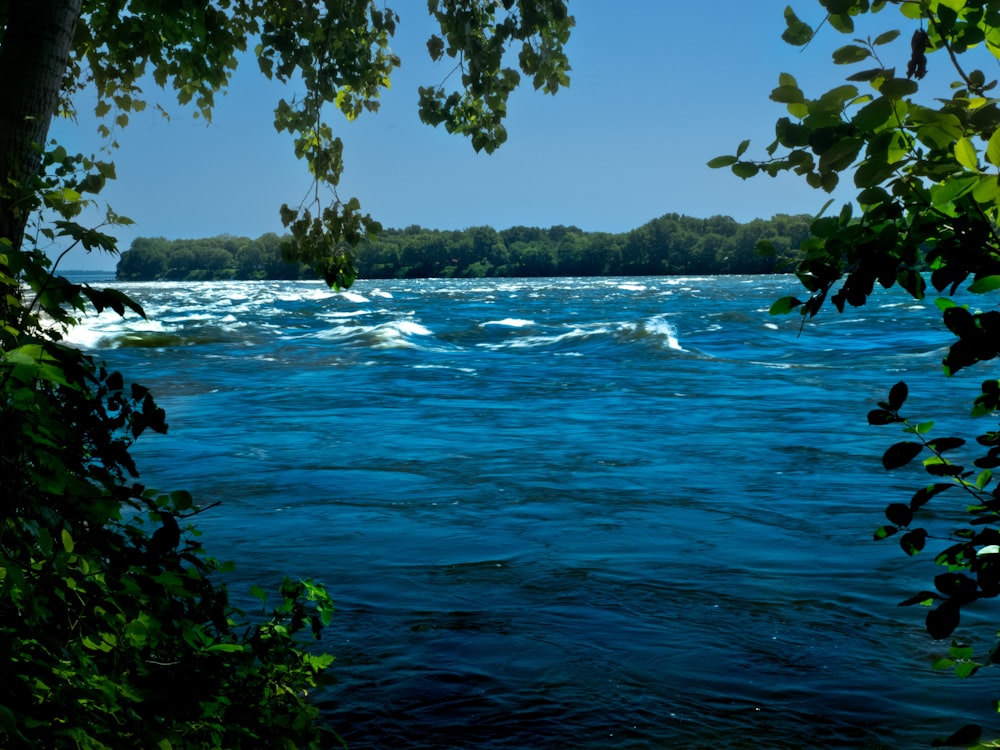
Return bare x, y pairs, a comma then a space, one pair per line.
34, 52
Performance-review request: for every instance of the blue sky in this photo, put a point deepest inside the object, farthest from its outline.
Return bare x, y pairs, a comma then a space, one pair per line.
658, 88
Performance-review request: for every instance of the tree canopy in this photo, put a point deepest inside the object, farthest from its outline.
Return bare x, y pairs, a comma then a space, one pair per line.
669, 245
115, 628
923, 155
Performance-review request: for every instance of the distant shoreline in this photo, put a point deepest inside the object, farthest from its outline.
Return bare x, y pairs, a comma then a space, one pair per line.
672, 245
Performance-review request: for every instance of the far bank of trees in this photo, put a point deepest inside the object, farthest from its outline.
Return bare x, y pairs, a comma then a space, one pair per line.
670, 245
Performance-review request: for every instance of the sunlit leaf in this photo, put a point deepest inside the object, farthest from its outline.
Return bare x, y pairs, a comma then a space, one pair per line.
785, 305
965, 154
985, 284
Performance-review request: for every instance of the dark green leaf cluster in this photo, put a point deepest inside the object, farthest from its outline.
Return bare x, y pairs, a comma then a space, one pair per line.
477, 36
972, 557
925, 166
670, 245
115, 630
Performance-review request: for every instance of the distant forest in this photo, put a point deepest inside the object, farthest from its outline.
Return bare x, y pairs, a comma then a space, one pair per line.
670, 245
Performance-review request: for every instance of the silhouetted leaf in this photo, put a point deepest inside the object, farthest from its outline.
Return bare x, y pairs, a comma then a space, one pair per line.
899, 514
897, 396
967, 735
850, 53
945, 444
722, 161
924, 494
901, 454
881, 417
913, 542
943, 470
923, 596
797, 32
884, 531
942, 621
956, 585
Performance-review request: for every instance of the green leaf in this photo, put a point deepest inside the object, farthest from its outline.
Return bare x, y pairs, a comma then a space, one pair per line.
983, 479
745, 169
965, 154
787, 95
948, 191
722, 161
993, 149
797, 33
742, 148
985, 284
841, 154
886, 37
181, 500
225, 648
785, 305
874, 115
850, 53
897, 88
987, 189
842, 22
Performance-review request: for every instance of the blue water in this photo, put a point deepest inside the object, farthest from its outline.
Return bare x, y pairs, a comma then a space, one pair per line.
565, 513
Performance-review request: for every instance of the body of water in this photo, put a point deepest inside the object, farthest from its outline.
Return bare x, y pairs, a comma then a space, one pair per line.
565, 513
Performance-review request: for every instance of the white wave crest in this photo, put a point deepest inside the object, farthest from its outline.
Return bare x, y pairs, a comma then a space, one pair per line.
508, 322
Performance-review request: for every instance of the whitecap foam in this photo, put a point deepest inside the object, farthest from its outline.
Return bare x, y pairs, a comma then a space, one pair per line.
353, 297
508, 322
660, 326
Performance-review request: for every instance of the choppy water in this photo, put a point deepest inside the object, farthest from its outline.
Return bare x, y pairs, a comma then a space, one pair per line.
564, 513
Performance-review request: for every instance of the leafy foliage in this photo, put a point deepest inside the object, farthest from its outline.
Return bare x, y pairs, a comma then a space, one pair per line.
341, 54
925, 167
113, 624
114, 628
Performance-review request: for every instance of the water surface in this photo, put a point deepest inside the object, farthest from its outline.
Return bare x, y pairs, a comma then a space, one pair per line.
564, 513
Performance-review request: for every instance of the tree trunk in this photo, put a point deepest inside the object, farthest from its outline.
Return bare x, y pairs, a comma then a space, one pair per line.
34, 52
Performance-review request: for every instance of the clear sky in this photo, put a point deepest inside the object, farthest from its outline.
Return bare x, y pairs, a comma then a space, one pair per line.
658, 88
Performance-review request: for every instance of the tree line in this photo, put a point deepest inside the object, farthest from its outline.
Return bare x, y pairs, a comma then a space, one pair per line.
673, 244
